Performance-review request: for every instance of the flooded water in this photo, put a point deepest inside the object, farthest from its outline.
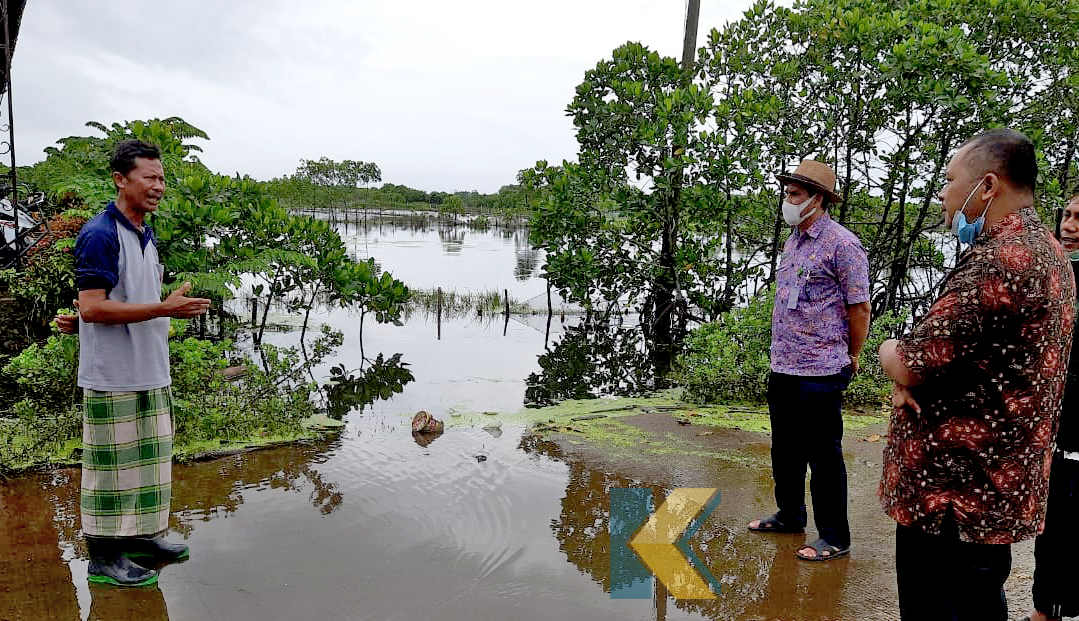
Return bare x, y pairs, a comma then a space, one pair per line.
465, 363
475, 524
472, 363
372, 525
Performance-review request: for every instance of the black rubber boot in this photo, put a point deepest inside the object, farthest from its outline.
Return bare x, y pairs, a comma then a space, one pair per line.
109, 566
154, 550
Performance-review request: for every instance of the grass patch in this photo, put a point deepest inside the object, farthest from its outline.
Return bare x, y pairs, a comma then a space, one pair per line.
457, 304
313, 428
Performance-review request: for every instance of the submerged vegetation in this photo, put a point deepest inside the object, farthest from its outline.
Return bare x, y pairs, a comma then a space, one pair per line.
459, 304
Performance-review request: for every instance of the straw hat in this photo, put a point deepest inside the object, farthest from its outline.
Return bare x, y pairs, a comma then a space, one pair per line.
815, 176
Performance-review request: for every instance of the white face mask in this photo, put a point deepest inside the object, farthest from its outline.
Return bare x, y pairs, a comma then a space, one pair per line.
792, 213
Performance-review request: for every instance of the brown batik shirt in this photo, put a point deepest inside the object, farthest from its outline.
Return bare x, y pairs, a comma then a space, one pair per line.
993, 352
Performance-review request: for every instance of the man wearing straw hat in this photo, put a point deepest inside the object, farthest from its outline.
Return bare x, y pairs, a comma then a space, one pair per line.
819, 324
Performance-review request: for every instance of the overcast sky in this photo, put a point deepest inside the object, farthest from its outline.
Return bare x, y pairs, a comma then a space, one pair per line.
441, 95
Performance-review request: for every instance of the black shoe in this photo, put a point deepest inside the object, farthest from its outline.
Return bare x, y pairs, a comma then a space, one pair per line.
108, 565
153, 550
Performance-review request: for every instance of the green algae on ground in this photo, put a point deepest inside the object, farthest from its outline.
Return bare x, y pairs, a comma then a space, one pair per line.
563, 413
675, 445
755, 418
68, 453
560, 417
598, 422
611, 433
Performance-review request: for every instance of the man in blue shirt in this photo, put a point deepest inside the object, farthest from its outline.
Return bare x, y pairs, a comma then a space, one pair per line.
124, 373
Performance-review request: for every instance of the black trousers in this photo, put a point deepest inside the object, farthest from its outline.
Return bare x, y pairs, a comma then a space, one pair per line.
944, 579
807, 430
1056, 551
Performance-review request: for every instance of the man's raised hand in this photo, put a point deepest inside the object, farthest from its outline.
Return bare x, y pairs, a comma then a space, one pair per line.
180, 306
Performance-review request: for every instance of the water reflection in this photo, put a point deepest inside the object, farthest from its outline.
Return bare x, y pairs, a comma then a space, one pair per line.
452, 238
471, 525
384, 378
760, 576
204, 491
37, 532
527, 257
115, 604
42, 555
425, 439
360, 222
591, 361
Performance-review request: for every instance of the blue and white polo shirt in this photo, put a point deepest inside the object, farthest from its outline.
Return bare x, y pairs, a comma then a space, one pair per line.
111, 254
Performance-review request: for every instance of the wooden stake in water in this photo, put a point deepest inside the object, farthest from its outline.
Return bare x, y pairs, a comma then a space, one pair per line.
550, 313
439, 313
506, 325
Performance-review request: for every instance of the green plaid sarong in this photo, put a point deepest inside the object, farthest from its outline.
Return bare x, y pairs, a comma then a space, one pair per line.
126, 462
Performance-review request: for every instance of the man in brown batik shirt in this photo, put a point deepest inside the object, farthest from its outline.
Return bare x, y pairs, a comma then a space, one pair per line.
977, 391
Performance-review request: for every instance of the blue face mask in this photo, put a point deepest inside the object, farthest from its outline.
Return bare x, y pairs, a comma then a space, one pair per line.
968, 231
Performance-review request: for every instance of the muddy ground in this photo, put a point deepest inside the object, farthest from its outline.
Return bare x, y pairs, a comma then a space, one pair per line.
659, 448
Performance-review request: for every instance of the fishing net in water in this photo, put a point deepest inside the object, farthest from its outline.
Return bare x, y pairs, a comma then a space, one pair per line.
558, 304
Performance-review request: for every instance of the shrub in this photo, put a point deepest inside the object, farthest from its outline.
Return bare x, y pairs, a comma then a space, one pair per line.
44, 373
43, 415
729, 359
46, 283
871, 386
270, 399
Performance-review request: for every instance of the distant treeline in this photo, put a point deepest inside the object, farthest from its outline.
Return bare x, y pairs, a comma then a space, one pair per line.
330, 186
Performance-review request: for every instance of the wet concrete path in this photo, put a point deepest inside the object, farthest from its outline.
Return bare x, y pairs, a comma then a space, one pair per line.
475, 525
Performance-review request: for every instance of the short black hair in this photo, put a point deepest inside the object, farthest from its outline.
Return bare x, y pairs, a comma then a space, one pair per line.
123, 156
1006, 152
1075, 193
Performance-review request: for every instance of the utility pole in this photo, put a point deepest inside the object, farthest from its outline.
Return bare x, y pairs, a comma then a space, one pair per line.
8, 44
689, 45
668, 296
